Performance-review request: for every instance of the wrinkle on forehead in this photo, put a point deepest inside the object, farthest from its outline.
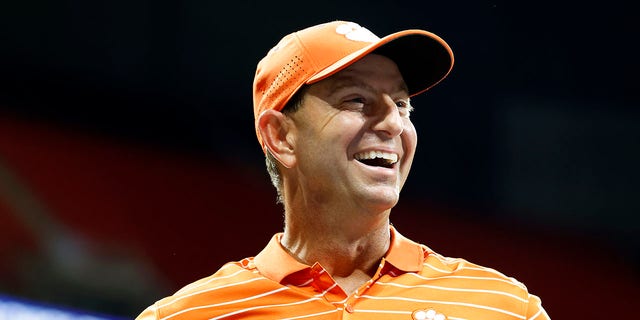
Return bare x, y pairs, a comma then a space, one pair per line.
346, 80
375, 73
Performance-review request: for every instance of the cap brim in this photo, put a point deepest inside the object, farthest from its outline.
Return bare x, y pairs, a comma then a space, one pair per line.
423, 58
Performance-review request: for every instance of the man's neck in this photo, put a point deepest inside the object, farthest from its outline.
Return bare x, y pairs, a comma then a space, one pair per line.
350, 255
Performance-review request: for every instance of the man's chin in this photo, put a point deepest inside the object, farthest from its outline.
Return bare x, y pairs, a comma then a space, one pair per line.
381, 199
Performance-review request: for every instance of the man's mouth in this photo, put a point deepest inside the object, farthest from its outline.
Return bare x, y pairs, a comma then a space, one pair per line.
377, 158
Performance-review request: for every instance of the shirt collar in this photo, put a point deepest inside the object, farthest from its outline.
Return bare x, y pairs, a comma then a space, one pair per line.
404, 254
275, 263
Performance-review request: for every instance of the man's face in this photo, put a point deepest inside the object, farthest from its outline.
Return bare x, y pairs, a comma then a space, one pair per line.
353, 139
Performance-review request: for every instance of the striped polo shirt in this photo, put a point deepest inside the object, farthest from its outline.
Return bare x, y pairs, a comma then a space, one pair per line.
411, 282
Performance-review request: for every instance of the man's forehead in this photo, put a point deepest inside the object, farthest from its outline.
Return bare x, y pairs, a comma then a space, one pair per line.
348, 79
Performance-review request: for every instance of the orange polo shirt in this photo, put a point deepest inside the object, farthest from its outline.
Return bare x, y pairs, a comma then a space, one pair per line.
411, 282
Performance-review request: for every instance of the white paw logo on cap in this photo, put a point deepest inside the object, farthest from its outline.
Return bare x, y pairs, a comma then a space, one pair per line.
428, 315
355, 32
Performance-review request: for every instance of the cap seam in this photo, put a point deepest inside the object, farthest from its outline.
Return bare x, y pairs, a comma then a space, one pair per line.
307, 55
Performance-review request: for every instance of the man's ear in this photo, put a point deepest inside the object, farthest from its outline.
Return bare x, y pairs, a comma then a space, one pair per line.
274, 128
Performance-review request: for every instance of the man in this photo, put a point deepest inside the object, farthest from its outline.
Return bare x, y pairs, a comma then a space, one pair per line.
332, 107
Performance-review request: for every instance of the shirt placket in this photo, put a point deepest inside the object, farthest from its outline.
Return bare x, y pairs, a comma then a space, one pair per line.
324, 283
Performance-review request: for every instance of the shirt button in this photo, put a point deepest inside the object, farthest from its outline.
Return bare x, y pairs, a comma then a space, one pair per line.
349, 308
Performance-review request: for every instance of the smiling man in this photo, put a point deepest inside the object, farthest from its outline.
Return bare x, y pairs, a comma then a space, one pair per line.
332, 114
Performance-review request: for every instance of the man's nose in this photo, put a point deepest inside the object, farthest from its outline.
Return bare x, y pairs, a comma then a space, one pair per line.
387, 118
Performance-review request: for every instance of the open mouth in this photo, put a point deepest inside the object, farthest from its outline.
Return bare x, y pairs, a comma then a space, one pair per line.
377, 159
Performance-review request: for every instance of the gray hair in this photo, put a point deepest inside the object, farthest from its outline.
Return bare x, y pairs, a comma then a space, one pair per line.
271, 162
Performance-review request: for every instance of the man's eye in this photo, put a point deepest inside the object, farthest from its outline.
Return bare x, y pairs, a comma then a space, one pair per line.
404, 106
354, 103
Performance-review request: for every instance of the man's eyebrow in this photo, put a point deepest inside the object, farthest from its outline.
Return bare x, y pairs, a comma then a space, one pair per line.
342, 82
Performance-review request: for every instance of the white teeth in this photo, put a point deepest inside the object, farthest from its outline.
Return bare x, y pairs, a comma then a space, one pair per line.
390, 157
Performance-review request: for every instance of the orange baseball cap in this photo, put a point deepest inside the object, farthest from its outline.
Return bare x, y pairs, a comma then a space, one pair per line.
315, 53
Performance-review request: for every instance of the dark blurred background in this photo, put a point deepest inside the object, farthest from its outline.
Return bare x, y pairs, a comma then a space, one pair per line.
129, 165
